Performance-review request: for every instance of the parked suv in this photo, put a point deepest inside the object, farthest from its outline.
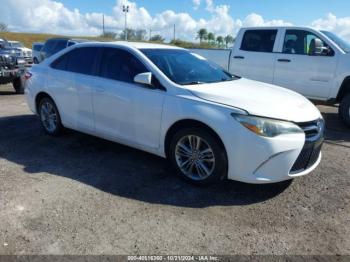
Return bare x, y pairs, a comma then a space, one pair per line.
54, 45
173, 103
36, 52
314, 63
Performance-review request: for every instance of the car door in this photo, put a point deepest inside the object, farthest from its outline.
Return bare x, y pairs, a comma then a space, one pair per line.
124, 110
298, 68
71, 81
254, 57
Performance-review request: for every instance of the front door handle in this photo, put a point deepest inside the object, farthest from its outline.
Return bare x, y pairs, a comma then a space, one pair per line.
284, 60
238, 57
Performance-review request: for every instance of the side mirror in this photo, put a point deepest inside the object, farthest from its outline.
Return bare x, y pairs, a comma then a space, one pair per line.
318, 49
144, 78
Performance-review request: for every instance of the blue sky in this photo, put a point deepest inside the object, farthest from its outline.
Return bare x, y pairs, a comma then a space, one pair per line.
222, 17
298, 12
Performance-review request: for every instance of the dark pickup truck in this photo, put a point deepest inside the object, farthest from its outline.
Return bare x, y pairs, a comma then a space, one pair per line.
12, 70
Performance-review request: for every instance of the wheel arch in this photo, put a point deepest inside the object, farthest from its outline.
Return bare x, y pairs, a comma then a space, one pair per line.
189, 123
344, 89
39, 97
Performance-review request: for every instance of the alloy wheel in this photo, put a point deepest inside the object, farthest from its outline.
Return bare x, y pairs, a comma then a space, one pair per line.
195, 157
48, 116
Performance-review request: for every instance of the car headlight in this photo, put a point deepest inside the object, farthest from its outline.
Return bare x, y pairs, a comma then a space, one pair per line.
267, 127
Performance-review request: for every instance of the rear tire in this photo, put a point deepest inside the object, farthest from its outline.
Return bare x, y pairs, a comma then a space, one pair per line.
18, 85
344, 110
198, 156
49, 117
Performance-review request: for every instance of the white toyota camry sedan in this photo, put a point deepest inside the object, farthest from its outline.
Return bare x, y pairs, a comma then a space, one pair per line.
173, 103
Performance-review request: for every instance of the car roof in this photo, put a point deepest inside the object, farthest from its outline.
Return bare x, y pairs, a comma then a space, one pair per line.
280, 27
135, 45
79, 40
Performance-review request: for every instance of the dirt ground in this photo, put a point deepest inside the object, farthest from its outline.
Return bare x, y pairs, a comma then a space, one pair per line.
77, 194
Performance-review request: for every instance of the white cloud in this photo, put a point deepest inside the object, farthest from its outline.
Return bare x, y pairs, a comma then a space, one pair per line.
53, 17
196, 4
210, 5
332, 23
257, 20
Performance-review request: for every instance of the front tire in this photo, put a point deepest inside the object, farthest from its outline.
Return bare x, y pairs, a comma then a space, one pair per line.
49, 117
198, 156
344, 110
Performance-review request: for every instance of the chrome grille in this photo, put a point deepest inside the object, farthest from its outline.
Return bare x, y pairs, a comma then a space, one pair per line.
314, 132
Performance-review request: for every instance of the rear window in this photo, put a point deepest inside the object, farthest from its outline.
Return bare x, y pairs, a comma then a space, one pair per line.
259, 40
80, 60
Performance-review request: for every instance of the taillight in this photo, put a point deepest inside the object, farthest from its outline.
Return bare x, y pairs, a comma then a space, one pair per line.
27, 75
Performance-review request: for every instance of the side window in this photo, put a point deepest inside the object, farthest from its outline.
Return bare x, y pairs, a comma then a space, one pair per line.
37, 47
48, 46
61, 62
120, 65
300, 42
60, 45
80, 60
259, 40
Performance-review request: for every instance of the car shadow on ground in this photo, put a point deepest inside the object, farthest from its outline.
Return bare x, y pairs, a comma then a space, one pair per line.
336, 130
7, 93
116, 169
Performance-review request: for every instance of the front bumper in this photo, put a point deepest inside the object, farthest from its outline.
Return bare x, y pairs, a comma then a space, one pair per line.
261, 160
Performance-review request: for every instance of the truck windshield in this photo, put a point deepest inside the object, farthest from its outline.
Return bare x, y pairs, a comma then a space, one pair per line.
342, 43
185, 68
16, 44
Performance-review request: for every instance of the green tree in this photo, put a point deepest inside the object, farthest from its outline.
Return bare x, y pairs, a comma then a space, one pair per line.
140, 35
220, 40
3, 27
229, 40
157, 38
110, 35
211, 37
202, 34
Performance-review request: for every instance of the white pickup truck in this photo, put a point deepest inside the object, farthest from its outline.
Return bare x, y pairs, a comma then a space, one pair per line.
314, 63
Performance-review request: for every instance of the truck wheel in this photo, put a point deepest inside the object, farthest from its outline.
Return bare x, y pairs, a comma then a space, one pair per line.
18, 85
344, 110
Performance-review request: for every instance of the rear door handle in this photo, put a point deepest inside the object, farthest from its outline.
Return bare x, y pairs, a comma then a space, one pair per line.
284, 60
238, 57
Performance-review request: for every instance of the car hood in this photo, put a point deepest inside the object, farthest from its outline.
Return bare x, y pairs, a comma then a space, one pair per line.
259, 99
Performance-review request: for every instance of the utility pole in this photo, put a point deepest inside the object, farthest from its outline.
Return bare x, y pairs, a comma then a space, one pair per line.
150, 34
126, 11
103, 24
174, 32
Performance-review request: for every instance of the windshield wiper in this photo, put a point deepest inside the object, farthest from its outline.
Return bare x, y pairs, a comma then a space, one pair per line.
194, 83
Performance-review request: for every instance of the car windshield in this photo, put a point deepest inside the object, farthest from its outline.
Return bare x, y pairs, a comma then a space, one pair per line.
185, 68
16, 44
342, 43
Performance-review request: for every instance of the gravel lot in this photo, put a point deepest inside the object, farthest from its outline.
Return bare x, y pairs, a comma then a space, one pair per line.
82, 195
